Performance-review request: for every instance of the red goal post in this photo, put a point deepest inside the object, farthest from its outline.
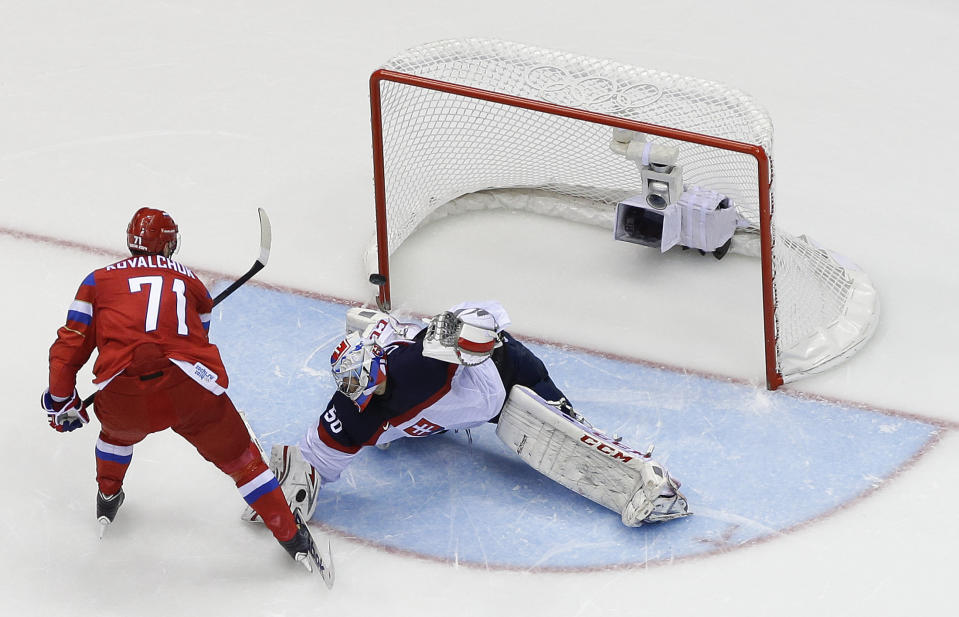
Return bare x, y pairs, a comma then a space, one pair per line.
438, 68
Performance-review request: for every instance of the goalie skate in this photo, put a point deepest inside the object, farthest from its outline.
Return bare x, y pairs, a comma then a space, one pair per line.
298, 480
669, 504
659, 495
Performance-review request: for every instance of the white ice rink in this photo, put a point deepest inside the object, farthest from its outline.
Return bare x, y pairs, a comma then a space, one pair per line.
210, 109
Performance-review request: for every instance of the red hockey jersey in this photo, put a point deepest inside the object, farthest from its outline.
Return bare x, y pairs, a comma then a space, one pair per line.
141, 299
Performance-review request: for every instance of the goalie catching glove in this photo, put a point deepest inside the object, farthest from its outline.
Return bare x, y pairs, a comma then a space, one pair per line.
464, 336
64, 414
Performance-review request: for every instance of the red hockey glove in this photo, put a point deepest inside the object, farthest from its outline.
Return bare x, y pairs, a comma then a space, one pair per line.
64, 414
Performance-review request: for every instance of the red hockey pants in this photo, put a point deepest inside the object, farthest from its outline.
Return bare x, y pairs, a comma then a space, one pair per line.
132, 407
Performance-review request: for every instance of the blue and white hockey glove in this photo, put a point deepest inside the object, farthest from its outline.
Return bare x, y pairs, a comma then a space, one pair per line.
64, 414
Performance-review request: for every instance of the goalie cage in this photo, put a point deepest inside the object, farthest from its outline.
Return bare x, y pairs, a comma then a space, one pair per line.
527, 128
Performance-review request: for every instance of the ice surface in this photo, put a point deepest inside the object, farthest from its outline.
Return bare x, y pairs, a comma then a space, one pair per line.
212, 109
754, 464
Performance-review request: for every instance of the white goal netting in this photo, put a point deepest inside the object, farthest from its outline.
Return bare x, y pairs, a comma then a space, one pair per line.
440, 144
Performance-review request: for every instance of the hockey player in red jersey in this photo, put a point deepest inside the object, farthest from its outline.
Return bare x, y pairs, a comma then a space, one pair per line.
148, 317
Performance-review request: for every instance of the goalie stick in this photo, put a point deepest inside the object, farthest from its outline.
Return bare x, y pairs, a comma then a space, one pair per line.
266, 239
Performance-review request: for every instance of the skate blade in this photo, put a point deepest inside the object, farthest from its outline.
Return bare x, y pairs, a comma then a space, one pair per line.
305, 560
326, 566
322, 565
317, 563
102, 524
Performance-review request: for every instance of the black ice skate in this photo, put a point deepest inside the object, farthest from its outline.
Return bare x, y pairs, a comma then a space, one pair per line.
303, 550
107, 507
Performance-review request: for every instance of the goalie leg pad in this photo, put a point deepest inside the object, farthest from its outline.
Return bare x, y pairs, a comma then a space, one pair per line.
298, 480
588, 462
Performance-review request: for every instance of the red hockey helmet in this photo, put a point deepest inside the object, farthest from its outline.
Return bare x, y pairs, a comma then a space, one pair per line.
152, 231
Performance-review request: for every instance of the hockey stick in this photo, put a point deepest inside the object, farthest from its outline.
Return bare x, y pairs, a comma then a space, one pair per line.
266, 239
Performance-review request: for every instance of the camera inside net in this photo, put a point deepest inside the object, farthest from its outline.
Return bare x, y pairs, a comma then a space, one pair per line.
667, 212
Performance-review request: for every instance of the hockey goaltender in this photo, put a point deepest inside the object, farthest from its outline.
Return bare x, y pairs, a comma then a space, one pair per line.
462, 370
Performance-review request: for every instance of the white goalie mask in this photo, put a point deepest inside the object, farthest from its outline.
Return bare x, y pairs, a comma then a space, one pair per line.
359, 366
466, 336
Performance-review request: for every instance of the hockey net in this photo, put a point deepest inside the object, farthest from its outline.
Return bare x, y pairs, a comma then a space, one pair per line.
508, 125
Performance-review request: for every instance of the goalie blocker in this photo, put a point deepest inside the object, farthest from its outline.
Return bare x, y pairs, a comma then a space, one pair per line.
586, 461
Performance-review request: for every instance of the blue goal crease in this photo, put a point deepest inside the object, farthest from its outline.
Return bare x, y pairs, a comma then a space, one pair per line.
753, 464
